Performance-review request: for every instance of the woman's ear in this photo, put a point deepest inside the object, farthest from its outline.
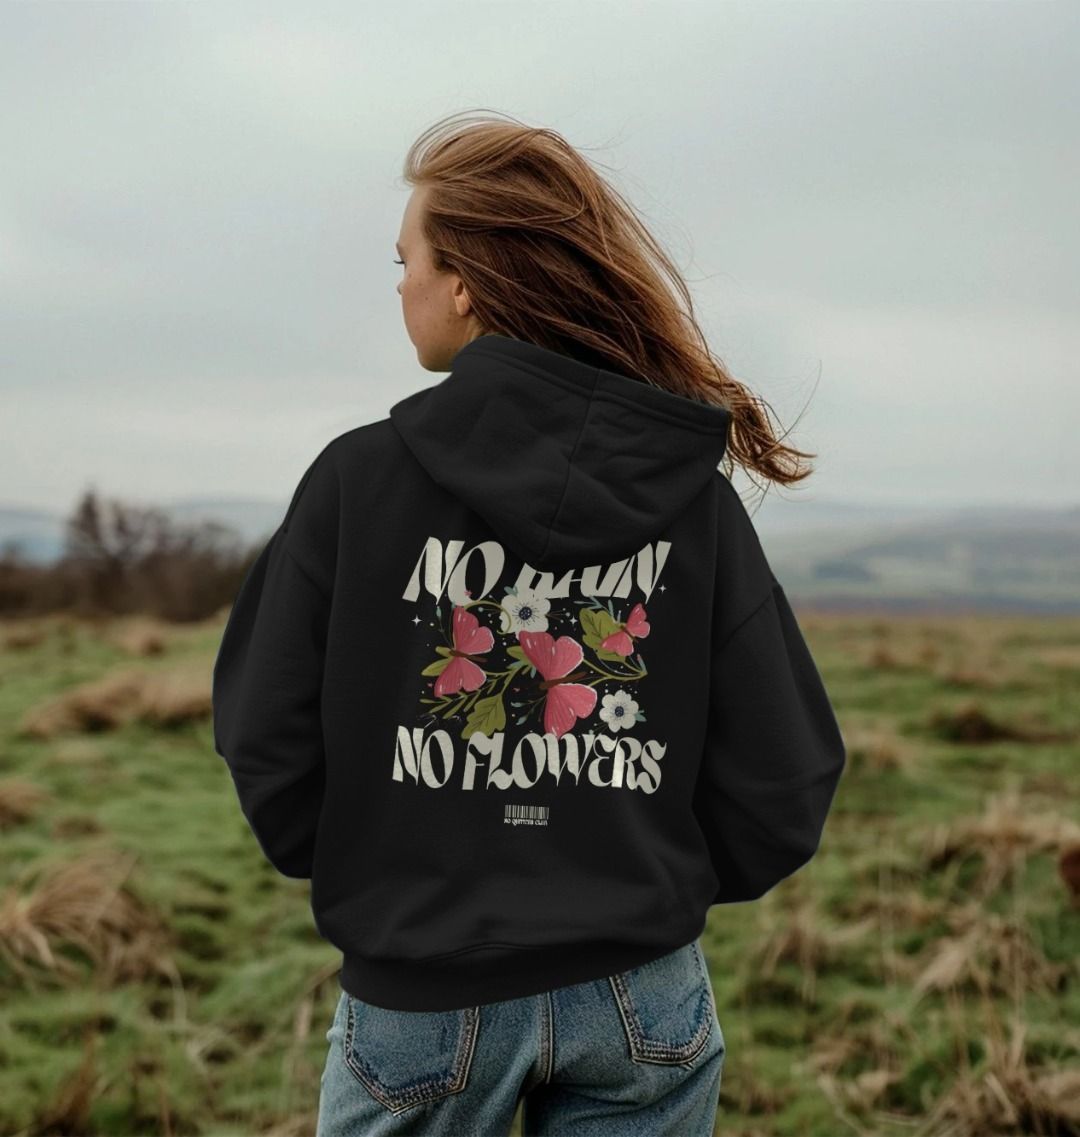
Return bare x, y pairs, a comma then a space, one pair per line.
462, 303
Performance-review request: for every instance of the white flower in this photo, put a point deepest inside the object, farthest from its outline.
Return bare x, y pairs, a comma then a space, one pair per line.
618, 710
525, 611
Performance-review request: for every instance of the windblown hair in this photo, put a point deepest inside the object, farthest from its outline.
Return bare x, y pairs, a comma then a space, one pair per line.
552, 254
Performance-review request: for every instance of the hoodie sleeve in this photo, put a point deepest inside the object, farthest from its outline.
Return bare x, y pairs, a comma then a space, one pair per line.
267, 682
773, 757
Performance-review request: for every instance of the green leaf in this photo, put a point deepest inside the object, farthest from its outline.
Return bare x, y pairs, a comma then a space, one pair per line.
487, 716
597, 624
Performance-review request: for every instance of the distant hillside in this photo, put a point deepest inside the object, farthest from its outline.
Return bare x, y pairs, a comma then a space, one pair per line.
826, 554
984, 559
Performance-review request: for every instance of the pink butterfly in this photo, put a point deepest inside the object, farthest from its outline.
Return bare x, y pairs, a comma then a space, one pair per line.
470, 638
566, 702
636, 626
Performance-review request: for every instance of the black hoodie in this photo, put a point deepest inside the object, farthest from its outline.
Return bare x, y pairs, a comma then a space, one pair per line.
514, 685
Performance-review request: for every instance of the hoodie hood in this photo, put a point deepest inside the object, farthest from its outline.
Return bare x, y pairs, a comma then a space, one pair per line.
568, 463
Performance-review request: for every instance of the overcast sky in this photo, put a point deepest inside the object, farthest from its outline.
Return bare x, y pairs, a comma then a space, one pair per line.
875, 206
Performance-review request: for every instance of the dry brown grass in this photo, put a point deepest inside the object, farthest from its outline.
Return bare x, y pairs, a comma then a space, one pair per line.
858, 1094
86, 904
751, 1095
68, 1111
24, 634
970, 652
908, 909
987, 952
971, 723
33, 631
139, 635
1058, 657
1006, 1095
963, 650
873, 745
1005, 834
19, 800
78, 750
162, 698
75, 826
800, 936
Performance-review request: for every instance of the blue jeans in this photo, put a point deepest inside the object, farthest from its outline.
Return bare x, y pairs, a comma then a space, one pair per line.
638, 1053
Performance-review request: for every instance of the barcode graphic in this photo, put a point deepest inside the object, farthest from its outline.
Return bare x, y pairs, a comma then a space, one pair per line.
526, 814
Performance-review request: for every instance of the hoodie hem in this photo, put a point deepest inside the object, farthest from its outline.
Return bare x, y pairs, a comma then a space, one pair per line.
495, 972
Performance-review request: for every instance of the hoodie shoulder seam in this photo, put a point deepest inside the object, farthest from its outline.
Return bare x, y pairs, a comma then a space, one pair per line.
324, 455
302, 568
748, 617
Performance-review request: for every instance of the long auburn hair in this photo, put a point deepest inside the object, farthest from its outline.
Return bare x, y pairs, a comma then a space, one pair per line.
552, 254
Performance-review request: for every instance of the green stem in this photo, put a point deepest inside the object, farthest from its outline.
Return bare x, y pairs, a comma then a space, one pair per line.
630, 677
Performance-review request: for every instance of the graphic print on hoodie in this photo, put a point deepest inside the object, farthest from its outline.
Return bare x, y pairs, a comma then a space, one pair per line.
513, 684
562, 668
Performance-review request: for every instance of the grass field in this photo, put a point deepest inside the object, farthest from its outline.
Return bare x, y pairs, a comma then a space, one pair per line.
919, 976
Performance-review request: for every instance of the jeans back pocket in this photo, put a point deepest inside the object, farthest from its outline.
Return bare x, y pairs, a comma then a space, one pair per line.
667, 1007
409, 1058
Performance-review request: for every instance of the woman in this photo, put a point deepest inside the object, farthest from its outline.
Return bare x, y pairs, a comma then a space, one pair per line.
513, 683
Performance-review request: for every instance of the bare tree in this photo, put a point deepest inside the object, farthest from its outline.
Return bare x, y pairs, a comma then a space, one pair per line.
129, 557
